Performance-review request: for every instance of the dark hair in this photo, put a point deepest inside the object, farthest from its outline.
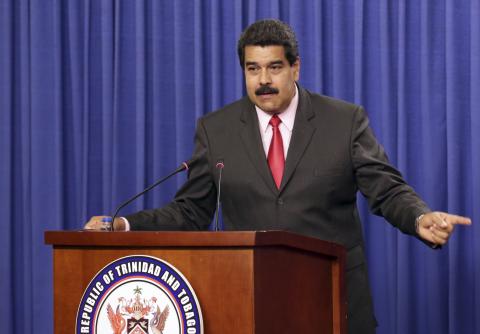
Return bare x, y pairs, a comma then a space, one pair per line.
269, 32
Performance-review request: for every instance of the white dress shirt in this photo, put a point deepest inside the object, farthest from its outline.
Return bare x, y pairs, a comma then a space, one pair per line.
286, 127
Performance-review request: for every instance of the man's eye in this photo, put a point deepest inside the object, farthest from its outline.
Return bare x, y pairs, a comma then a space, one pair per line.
276, 68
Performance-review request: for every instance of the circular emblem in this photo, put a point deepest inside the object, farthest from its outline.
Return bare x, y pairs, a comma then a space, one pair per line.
138, 295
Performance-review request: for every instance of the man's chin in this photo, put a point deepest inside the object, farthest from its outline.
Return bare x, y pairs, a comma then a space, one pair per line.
270, 108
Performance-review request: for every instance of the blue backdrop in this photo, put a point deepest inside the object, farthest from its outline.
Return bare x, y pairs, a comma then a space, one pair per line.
99, 98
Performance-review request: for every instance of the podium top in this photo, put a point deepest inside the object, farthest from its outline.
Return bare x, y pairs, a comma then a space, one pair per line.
249, 239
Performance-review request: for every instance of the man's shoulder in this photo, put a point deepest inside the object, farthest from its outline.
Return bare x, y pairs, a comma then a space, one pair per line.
326, 102
230, 112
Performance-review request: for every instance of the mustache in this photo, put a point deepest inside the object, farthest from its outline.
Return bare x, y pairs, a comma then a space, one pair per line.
266, 90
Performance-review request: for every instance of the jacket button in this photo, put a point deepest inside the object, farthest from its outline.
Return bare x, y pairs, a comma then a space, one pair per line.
280, 201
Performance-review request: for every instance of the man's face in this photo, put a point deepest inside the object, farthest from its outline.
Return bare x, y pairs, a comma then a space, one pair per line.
269, 78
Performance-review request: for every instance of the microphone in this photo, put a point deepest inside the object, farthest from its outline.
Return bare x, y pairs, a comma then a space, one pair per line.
184, 166
219, 166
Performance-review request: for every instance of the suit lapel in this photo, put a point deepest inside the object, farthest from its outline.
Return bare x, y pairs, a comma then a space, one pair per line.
250, 135
301, 136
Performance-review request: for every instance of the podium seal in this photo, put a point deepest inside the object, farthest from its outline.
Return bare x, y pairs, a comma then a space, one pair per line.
138, 295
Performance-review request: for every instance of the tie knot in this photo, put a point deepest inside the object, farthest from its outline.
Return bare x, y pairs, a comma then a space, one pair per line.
275, 121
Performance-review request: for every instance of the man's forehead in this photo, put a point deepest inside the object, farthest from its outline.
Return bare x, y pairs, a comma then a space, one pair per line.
269, 53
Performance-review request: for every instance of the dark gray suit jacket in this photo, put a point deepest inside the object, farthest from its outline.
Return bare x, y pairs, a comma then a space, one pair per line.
332, 154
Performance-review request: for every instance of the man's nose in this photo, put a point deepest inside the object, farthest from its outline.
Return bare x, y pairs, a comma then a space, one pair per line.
265, 77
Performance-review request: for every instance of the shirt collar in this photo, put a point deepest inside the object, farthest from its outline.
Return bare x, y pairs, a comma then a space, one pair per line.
287, 116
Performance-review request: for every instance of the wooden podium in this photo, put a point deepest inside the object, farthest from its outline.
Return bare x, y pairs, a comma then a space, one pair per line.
246, 282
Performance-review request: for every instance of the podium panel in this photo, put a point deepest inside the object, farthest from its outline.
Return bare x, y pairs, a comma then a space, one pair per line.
245, 282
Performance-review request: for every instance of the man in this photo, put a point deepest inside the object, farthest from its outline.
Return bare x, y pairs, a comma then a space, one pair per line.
294, 160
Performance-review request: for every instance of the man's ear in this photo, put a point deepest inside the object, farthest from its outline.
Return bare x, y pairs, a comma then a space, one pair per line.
296, 69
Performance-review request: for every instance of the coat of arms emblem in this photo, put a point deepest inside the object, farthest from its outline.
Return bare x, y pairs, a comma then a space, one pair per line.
137, 315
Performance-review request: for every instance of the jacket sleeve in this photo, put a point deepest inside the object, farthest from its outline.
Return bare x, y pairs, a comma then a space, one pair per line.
382, 184
194, 204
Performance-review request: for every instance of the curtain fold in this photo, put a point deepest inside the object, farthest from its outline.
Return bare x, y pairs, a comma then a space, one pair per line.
99, 98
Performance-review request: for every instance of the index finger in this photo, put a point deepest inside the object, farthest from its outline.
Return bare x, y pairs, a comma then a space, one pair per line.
457, 220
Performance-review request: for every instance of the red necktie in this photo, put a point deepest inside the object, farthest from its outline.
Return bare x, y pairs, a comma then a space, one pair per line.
276, 158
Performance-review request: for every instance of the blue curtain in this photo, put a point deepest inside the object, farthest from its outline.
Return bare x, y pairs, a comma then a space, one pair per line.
99, 98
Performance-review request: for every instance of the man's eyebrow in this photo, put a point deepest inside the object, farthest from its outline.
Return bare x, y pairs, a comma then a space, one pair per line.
275, 62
